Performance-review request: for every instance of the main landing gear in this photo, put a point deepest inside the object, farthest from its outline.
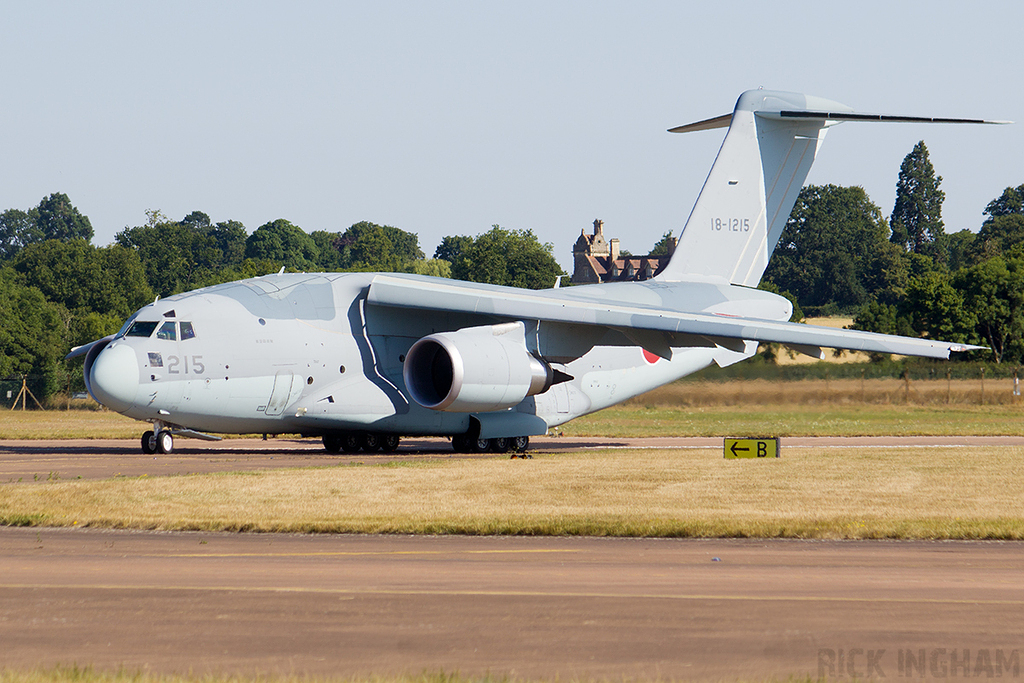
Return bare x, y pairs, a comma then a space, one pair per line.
159, 442
353, 442
464, 443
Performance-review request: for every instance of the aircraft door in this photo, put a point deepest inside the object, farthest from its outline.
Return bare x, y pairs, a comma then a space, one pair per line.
287, 387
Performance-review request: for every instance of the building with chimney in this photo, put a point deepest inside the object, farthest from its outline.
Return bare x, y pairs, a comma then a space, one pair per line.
596, 259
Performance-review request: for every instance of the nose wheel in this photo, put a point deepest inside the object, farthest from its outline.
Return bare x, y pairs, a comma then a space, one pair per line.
159, 442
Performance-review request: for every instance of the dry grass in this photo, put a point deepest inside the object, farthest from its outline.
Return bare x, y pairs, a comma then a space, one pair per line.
638, 420
808, 493
68, 424
889, 392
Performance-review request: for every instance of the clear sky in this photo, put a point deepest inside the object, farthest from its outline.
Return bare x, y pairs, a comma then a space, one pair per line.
444, 118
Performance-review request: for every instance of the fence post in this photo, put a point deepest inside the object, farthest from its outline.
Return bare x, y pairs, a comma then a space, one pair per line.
982, 385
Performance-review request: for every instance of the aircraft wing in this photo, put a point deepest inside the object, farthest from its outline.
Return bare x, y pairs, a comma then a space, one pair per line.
556, 306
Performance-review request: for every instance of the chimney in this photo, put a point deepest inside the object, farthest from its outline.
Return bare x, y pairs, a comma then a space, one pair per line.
614, 244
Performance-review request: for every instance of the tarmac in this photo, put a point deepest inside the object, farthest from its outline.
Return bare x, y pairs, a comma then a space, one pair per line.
569, 608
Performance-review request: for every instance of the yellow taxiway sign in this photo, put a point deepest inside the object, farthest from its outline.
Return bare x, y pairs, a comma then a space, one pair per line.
766, 447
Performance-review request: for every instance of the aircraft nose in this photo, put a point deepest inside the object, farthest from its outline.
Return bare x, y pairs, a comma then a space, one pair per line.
114, 377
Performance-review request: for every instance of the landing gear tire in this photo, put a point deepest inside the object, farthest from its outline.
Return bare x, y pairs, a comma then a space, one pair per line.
164, 442
370, 442
350, 443
460, 443
501, 444
519, 446
389, 442
148, 443
332, 443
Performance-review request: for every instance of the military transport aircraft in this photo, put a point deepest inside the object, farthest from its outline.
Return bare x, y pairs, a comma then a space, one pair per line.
362, 359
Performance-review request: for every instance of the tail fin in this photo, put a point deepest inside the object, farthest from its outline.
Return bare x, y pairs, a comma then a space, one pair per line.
752, 187
745, 202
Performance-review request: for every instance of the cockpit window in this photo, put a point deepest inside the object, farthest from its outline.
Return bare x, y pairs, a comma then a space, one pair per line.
141, 328
186, 330
127, 324
167, 331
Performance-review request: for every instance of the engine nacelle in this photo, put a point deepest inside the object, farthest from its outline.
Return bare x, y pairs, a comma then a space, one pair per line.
476, 369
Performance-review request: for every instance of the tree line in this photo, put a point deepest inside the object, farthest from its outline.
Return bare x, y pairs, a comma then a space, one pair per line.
839, 255
58, 290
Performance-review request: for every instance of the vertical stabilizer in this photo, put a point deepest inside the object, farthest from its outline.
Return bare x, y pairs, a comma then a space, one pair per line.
746, 200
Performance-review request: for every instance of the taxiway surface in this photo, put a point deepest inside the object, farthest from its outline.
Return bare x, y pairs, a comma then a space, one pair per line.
529, 607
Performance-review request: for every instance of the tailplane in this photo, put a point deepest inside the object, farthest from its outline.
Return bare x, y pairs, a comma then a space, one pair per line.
746, 200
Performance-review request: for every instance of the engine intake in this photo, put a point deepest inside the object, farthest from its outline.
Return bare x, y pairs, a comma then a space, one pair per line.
476, 369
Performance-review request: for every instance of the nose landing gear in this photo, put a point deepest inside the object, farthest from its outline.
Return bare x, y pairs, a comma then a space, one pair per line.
161, 442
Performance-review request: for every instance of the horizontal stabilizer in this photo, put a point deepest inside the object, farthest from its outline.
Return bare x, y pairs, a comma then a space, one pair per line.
878, 118
707, 124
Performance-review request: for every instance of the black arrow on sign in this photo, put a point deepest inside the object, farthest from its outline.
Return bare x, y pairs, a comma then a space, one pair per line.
734, 448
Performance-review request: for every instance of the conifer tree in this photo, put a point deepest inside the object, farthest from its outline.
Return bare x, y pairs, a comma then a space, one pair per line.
916, 219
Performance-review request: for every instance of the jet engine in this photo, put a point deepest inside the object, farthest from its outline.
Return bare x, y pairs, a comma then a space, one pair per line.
476, 369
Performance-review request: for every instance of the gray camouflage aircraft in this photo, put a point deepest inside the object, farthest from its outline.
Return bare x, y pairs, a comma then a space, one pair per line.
362, 359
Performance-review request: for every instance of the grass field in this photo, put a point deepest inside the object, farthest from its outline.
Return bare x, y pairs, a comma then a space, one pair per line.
808, 493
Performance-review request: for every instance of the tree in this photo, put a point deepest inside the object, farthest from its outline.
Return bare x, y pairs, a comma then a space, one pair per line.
453, 247
57, 219
197, 220
832, 249
661, 247
875, 316
958, 248
435, 267
229, 239
369, 247
54, 219
284, 243
17, 228
83, 278
333, 255
997, 236
937, 308
917, 215
994, 292
384, 248
508, 257
1009, 203
178, 255
31, 336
